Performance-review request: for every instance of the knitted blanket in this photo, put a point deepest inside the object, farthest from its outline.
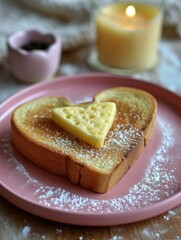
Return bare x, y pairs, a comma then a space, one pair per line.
70, 19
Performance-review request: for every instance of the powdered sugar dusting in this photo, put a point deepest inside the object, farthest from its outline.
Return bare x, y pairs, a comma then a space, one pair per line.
159, 182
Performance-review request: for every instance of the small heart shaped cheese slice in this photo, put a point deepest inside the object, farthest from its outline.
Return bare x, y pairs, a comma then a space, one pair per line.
91, 124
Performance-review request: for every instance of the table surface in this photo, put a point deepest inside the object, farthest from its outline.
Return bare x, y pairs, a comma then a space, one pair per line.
18, 224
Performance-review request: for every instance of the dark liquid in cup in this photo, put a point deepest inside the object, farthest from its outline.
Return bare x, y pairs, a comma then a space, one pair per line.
35, 46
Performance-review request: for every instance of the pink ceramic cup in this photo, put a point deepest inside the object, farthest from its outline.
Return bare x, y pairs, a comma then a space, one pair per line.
34, 56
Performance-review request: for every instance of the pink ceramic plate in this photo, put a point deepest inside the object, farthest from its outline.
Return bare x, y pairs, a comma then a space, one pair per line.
151, 187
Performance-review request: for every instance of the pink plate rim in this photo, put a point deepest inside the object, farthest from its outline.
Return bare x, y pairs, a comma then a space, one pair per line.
94, 219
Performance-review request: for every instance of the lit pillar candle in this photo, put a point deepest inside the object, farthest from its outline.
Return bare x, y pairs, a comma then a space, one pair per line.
128, 35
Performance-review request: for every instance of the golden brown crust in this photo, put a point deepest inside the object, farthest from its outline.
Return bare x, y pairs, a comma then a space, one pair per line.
49, 160
44, 143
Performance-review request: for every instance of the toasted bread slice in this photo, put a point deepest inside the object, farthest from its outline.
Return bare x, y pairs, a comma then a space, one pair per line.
46, 144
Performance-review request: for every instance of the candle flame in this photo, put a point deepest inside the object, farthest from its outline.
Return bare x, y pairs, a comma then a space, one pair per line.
130, 11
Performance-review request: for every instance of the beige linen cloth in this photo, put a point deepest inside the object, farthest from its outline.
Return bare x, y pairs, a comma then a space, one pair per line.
70, 19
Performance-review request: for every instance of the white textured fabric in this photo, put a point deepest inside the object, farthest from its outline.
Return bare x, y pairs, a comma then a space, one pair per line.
68, 9
15, 16
173, 14
70, 19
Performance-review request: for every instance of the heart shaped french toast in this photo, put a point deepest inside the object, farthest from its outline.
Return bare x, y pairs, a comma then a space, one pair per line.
92, 144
